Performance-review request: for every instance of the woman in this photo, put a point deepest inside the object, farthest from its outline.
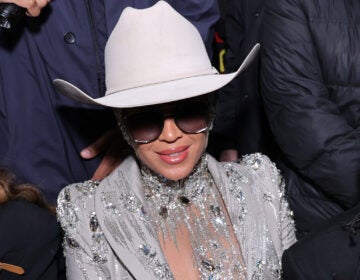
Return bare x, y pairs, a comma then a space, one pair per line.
170, 211
30, 235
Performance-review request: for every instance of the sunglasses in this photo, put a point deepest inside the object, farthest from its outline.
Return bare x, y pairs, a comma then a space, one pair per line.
146, 126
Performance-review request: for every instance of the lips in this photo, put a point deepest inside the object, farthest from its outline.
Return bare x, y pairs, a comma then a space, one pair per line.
174, 155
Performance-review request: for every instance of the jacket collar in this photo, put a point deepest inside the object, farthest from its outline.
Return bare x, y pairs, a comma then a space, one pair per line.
120, 202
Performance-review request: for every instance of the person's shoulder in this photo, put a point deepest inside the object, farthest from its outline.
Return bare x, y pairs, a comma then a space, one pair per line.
21, 209
256, 161
78, 191
253, 163
75, 201
21, 217
257, 169
83, 194
19, 205
263, 166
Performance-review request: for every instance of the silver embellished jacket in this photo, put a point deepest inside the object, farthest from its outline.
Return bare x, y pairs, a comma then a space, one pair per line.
108, 236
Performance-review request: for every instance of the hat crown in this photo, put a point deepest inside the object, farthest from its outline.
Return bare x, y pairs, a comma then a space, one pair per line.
137, 54
154, 56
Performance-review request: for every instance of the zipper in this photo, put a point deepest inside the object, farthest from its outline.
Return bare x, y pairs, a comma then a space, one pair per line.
352, 227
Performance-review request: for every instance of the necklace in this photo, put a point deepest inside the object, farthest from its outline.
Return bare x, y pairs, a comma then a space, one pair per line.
196, 204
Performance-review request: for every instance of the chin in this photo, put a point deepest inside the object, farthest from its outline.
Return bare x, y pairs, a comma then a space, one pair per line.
177, 174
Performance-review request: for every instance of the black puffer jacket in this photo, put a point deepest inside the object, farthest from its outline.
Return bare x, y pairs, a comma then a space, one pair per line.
311, 90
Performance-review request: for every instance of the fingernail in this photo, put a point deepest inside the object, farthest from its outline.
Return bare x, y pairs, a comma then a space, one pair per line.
85, 153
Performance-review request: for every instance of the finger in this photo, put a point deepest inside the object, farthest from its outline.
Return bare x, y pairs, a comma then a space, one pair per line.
33, 7
228, 155
11, 1
100, 145
111, 160
107, 165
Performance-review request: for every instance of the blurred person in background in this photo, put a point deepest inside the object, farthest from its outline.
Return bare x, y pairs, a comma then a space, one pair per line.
42, 133
241, 126
30, 235
310, 77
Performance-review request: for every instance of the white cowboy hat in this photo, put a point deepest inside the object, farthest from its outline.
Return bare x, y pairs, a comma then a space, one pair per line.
154, 56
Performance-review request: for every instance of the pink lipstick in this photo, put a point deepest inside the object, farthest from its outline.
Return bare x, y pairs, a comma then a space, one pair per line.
174, 155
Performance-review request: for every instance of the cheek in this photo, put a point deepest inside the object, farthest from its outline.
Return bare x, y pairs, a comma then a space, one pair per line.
201, 141
141, 153
146, 156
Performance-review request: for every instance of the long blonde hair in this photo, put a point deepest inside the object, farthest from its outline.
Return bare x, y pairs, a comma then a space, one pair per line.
10, 190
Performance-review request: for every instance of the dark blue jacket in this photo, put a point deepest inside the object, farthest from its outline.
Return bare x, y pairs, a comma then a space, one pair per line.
41, 132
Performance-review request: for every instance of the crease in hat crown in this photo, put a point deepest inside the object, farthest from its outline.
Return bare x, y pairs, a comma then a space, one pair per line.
153, 56
176, 50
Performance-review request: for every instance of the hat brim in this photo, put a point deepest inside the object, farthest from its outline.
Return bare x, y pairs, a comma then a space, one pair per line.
157, 93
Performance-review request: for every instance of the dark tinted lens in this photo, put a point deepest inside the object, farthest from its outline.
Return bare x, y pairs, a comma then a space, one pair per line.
144, 126
193, 117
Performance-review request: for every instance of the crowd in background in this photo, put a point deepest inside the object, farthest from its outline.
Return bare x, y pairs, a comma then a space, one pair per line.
306, 82
298, 103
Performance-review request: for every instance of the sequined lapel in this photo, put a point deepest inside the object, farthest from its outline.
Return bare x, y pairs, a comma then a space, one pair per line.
119, 204
236, 189
245, 189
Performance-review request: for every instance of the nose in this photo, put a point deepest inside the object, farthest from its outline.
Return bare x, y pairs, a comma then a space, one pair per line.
170, 132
